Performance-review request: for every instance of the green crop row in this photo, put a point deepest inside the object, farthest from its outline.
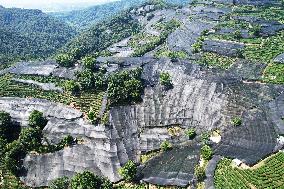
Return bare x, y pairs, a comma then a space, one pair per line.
267, 175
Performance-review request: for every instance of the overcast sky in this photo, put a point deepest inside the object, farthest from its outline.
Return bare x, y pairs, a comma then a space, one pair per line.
51, 5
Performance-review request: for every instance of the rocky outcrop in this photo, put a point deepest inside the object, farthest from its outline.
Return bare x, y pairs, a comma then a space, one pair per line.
184, 37
101, 149
200, 98
31, 68
279, 58
223, 47
42, 68
267, 27
44, 86
174, 167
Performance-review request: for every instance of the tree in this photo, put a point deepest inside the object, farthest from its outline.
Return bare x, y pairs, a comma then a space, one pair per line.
72, 86
128, 171
92, 116
76, 53
65, 60
199, 173
3, 143
66, 141
5, 124
30, 138
8, 130
87, 180
206, 152
60, 183
165, 79
36, 119
125, 86
86, 79
89, 62
13, 158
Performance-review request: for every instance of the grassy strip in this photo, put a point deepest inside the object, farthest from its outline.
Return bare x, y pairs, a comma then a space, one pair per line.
274, 73
216, 61
83, 101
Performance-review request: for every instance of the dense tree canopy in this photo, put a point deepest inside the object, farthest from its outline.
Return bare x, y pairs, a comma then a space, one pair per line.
86, 17
30, 34
125, 86
102, 35
87, 180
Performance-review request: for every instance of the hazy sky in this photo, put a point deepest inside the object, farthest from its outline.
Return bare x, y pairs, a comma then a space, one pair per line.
51, 5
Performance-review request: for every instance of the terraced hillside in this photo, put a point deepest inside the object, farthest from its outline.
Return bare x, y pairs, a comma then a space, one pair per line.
172, 102
266, 175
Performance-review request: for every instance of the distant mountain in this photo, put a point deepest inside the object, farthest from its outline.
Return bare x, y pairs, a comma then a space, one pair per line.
86, 17
30, 34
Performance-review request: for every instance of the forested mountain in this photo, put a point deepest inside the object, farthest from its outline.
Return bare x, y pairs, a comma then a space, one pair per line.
29, 34
86, 17
100, 36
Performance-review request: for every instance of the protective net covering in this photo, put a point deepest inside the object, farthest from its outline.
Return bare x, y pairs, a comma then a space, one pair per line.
173, 167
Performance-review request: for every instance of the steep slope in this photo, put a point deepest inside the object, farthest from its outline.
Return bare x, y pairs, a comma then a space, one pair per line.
29, 34
219, 58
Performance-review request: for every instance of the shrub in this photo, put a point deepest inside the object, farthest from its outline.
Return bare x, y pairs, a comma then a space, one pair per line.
125, 86
128, 171
206, 152
199, 173
197, 46
89, 80
30, 138
65, 60
3, 143
240, 53
13, 157
5, 123
174, 55
89, 62
191, 133
237, 34
205, 137
92, 116
255, 30
76, 53
66, 141
166, 145
100, 82
236, 121
60, 183
87, 180
36, 119
165, 79
72, 86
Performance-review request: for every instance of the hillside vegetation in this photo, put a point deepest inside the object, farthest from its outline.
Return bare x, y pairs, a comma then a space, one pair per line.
86, 17
30, 34
147, 95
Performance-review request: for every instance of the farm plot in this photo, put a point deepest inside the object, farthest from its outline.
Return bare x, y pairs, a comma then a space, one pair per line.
268, 175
